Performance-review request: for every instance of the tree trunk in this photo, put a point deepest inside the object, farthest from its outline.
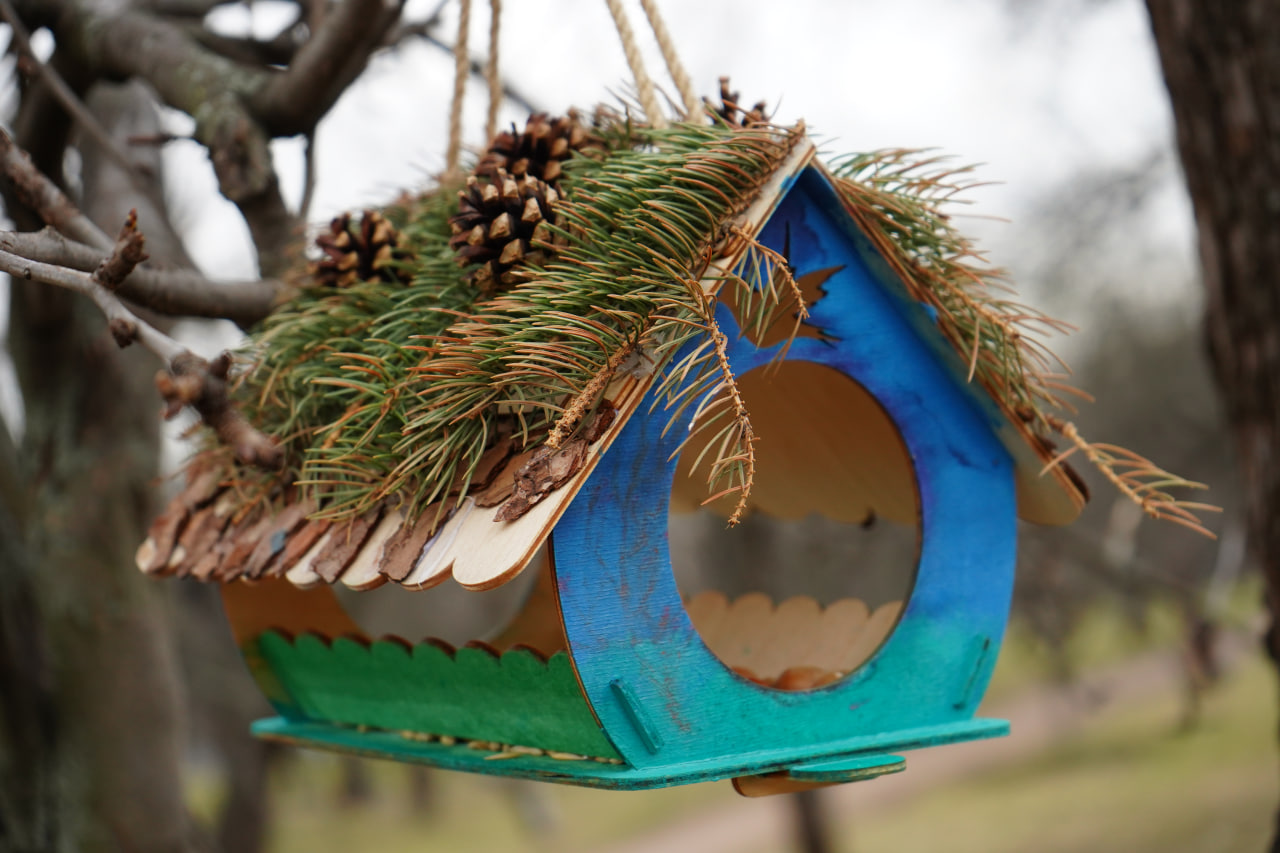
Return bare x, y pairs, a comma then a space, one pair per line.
95, 717
1221, 62
812, 827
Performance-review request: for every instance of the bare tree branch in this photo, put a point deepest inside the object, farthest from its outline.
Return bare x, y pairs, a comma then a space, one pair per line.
125, 326
158, 139
170, 292
176, 292
237, 108
125, 256
294, 101
182, 8
63, 92
191, 380
212, 89
240, 150
202, 385
39, 193
308, 178
276, 51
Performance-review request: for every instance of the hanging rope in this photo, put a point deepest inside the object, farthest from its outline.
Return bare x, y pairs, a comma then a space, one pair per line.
491, 71
644, 86
461, 67
692, 103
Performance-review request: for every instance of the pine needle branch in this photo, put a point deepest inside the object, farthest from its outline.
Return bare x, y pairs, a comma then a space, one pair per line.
1139, 479
895, 197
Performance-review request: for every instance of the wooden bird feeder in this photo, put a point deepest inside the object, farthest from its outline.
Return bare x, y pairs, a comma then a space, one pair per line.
608, 678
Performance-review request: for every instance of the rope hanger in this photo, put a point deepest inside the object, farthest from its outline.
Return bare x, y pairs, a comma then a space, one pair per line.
644, 85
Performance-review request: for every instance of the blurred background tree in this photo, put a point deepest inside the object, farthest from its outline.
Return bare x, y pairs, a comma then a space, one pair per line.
1222, 66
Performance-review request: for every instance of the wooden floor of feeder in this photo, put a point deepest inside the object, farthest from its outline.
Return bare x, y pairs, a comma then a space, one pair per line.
850, 760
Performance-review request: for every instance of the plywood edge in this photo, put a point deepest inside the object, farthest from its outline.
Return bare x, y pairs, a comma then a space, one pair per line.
488, 553
1051, 497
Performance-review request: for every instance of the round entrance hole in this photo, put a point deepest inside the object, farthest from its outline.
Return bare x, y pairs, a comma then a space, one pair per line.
815, 578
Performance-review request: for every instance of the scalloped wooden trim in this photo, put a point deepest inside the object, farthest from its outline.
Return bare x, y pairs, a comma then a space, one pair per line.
517, 697
763, 641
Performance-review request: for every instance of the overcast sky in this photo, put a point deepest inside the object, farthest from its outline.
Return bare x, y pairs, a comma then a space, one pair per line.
1037, 92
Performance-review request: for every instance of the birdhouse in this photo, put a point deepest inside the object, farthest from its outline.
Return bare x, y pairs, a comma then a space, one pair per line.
863, 399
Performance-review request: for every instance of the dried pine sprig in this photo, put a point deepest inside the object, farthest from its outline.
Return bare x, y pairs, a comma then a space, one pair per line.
388, 391
1139, 479
640, 225
319, 361
896, 198
764, 290
382, 392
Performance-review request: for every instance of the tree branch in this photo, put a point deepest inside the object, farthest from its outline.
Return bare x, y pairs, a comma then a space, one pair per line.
308, 178
39, 193
213, 90
62, 92
175, 292
170, 292
294, 101
190, 380
237, 108
276, 51
126, 255
181, 8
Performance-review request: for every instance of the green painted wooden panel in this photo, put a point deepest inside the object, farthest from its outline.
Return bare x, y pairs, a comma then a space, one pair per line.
513, 699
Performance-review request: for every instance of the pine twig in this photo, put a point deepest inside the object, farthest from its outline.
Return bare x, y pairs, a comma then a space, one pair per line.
1138, 479
895, 197
573, 413
744, 461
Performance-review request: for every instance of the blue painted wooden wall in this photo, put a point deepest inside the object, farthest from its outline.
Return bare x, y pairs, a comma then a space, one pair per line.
666, 702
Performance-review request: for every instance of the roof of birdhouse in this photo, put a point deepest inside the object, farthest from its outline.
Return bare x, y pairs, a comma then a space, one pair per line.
459, 361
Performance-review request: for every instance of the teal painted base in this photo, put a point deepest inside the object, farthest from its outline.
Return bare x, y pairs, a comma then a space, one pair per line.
839, 761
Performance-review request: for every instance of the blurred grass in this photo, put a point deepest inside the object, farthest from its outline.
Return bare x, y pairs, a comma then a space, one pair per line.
1107, 634
466, 813
1128, 784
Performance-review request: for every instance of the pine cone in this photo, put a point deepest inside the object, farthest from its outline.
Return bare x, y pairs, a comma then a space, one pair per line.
363, 253
735, 116
503, 223
539, 151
